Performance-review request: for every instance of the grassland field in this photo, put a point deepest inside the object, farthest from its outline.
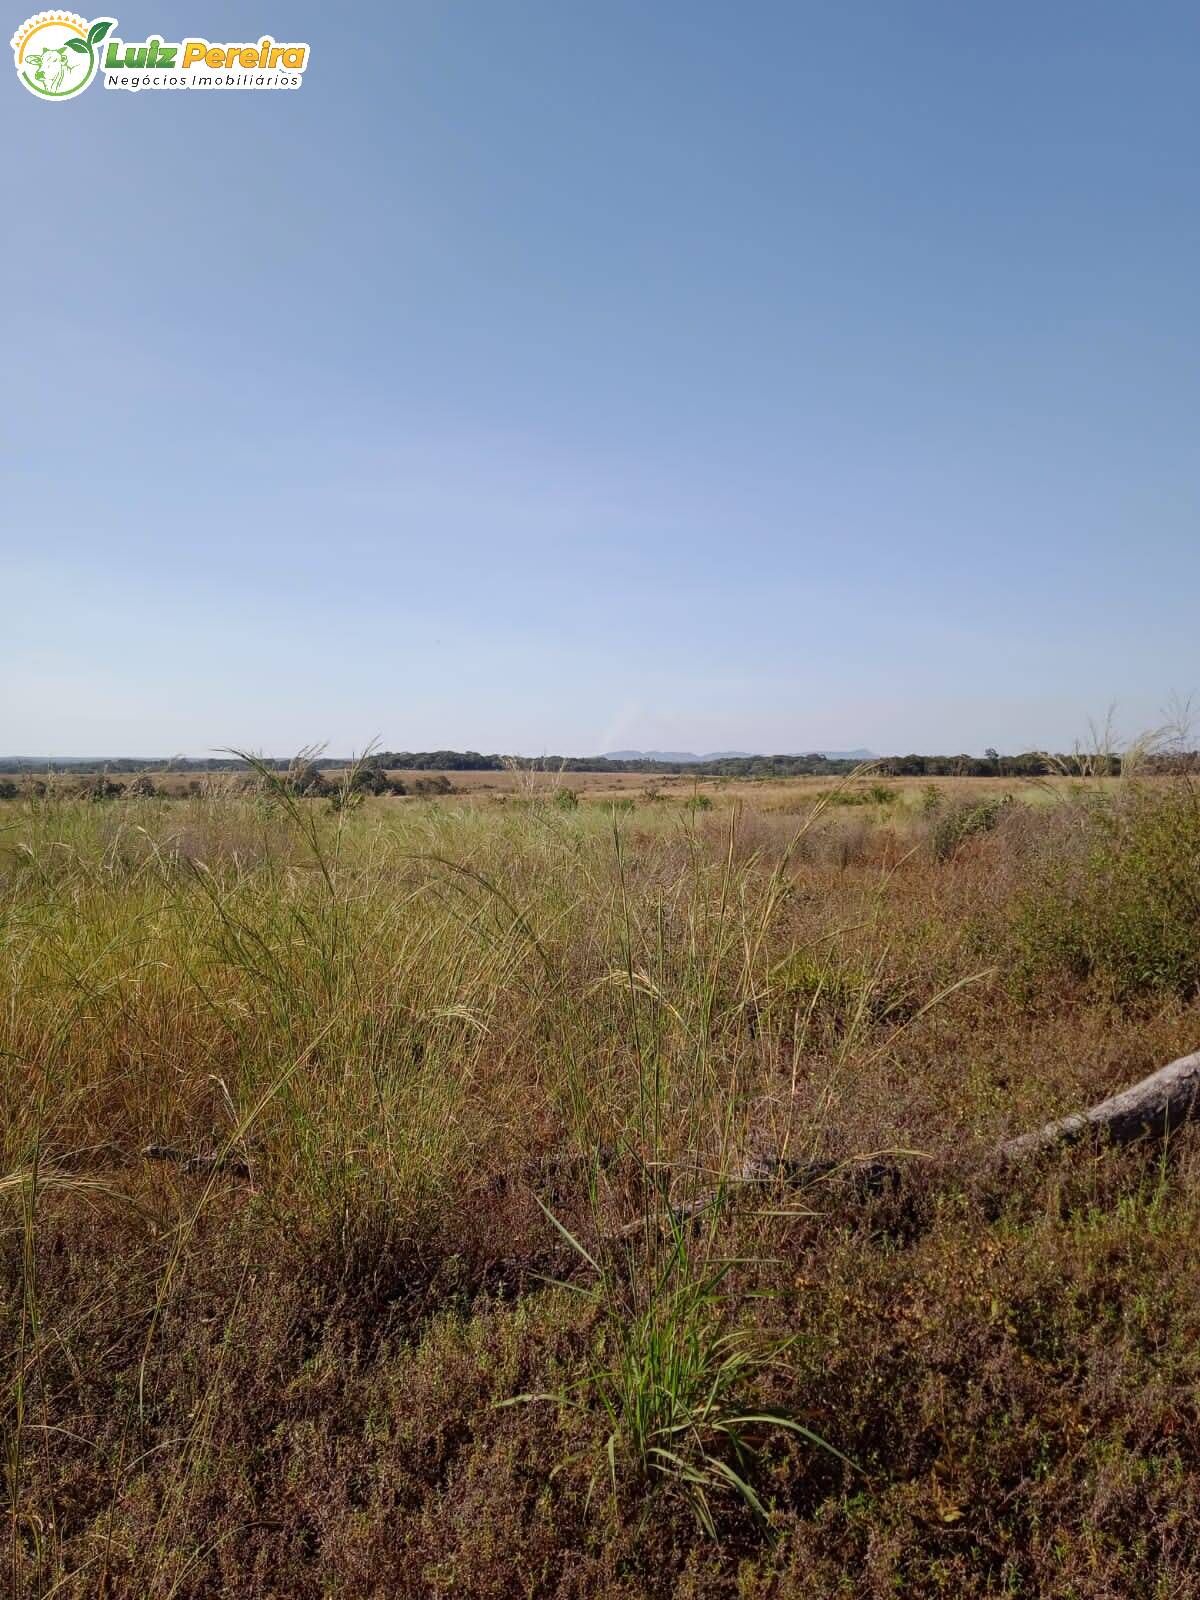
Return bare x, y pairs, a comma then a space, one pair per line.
789, 795
371, 1218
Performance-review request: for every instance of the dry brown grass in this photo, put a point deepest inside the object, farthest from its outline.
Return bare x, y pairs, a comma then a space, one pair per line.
420, 1024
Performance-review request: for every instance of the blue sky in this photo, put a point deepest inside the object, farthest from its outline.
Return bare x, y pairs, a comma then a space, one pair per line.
562, 377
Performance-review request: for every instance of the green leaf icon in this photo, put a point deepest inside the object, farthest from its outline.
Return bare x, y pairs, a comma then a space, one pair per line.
77, 44
97, 31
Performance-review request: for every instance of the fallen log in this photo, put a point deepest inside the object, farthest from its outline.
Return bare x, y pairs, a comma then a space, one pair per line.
198, 1162
1152, 1107
1165, 1100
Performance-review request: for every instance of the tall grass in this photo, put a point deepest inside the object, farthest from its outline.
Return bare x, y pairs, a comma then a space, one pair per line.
411, 1058
374, 1010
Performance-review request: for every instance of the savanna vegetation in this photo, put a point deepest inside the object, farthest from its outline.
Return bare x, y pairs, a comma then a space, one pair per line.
372, 1222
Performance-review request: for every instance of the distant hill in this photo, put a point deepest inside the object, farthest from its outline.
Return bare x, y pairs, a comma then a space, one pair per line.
670, 755
730, 755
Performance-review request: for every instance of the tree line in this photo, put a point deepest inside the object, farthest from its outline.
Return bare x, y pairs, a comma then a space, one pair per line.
1029, 763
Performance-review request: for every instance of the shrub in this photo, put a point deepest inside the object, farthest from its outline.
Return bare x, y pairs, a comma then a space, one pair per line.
304, 778
1128, 914
140, 788
8, 789
368, 780
878, 794
98, 787
566, 799
345, 799
440, 784
964, 822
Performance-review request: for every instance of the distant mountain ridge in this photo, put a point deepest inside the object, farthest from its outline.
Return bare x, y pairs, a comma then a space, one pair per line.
733, 755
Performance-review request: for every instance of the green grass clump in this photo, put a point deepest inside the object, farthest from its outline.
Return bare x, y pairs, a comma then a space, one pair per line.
679, 1382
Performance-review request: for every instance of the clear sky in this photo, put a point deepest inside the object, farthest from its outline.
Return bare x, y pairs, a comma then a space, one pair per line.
564, 375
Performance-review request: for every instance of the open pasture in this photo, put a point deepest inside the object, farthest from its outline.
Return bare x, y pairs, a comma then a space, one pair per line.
374, 1217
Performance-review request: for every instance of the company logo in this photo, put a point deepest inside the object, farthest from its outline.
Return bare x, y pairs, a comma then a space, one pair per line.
58, 54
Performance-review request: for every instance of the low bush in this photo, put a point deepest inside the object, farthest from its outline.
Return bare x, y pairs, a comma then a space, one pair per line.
878, 794
1127, 913
954, 826
303, 778
368, 780
98, 787
439, 784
